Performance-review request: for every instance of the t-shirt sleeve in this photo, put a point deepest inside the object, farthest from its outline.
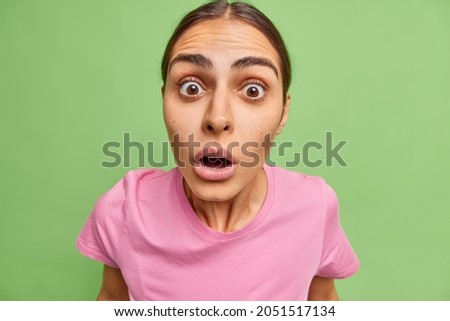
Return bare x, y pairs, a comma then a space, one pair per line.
338, 259
101, 235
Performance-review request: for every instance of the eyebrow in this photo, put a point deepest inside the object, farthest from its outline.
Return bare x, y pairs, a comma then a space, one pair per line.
254, 61
205, 63
195, 59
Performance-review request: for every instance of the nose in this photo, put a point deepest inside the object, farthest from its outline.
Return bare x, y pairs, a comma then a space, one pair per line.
218, 117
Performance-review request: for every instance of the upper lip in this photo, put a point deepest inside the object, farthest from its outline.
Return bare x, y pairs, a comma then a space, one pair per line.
214, 152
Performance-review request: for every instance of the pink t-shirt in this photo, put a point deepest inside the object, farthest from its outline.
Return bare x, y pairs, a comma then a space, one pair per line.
146, 227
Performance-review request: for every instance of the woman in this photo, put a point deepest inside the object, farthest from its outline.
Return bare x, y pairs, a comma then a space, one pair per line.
222, 225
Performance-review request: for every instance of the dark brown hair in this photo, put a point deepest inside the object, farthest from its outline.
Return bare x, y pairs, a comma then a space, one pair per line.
240, 11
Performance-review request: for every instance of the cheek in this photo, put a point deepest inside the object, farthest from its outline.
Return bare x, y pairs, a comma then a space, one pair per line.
174, 117
171, 123
179, 126
259, 124
180, 117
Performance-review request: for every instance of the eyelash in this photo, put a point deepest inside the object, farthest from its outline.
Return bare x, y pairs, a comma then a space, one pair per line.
255, 82
185, 80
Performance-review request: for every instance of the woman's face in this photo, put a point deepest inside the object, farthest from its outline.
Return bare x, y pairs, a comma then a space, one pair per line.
223, 104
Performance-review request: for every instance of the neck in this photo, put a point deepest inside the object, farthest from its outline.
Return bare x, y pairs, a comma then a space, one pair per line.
233, 214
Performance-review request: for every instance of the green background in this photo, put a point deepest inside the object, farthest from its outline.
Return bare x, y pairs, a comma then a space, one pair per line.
77, 74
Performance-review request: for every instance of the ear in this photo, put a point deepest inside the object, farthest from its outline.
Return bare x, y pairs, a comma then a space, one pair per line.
162, 91
284, 115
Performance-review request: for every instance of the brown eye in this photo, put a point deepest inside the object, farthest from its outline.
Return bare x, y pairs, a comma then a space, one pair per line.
191, 88
254, 91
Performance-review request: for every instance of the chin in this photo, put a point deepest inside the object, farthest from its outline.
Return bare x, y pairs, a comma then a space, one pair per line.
213, 191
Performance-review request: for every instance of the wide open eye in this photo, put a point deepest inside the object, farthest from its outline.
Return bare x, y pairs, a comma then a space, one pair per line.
191, 89
253, 91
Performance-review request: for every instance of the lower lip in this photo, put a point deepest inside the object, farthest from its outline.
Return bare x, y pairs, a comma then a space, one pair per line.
214, 174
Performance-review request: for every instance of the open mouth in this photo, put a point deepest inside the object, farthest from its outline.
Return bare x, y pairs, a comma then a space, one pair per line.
215, 162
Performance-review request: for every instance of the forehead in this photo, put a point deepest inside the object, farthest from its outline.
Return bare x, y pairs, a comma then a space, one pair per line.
225, 38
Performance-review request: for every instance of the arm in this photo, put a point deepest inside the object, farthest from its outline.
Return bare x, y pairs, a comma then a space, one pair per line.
114, 287
322, 289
